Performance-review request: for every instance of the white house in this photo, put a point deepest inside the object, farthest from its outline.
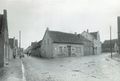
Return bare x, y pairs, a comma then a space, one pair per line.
95, 38
61, 44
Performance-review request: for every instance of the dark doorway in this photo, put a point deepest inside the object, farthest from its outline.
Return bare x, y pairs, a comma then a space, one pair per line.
69, 50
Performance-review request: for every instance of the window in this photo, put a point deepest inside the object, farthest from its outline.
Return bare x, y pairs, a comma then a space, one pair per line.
64, 49
78, 49
60, 49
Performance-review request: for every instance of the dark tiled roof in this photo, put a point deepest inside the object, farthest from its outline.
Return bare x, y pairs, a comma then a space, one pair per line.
0, 23
94, 34
37, 45
40, 42
107, 43
61, 37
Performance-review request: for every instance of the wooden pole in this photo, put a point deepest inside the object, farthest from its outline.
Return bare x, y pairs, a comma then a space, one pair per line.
110, 42
20, 42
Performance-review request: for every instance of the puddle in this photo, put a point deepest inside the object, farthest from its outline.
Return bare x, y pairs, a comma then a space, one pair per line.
76, 70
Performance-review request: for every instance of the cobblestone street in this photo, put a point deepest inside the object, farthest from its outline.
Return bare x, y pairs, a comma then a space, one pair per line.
89, 68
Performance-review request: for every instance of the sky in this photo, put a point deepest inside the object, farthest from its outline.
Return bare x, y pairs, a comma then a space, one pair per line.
32, 17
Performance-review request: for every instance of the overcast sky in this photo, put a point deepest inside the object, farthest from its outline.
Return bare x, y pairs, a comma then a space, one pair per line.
33, 16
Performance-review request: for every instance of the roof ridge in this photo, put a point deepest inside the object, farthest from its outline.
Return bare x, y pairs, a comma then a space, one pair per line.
61, 32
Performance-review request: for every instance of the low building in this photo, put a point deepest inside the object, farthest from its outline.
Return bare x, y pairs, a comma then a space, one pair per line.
14, 46
94, 37
107, 46
35, 49
60, 44
4, 42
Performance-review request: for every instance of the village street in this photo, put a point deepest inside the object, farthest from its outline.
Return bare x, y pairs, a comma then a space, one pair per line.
88, 68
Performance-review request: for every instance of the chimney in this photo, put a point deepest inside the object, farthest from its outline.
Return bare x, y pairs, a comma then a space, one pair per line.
47, 28
5, 12
75, 33
87, 31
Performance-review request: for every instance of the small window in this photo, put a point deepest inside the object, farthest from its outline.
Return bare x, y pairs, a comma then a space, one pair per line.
78, 49
60, 49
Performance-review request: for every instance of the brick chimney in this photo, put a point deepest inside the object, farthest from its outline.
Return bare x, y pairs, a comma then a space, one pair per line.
87, 30
5, 13
75, 33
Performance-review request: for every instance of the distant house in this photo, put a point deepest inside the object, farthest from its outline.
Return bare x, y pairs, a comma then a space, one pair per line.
4, 42
106, 46
94, 37
35, 49
60, 44
14, 45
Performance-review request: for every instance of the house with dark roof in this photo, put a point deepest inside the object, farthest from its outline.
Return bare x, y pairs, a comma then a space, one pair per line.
94, 37
106, 46
34, 49
61, 44
4, 42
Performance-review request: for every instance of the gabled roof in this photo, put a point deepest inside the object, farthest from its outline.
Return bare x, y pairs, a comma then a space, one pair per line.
94, 34
62, 37
83, 38
3, 20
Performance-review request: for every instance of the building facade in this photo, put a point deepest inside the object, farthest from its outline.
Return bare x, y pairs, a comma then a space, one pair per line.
4, 42
60, 44
94, 37
88, 45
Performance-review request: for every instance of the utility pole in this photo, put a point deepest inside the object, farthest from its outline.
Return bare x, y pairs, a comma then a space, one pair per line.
20, 42
110, 42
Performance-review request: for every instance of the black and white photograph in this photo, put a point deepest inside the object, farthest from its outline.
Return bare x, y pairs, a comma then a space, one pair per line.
59, 40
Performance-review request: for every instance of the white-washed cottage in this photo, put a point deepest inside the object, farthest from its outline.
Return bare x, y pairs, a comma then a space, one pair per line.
57, 44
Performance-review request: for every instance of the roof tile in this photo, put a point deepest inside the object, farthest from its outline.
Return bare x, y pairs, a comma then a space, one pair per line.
61, 37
